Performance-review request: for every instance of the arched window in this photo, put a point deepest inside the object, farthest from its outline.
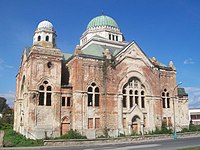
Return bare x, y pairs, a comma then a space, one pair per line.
133, 93
39, 38
93, 95
165, 99
142, 100
22, 85
45, 92
47, 38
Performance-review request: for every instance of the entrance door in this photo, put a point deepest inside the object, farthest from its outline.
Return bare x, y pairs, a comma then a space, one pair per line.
65, 128
136, 124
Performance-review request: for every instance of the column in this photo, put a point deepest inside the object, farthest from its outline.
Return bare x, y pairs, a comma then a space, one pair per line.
120, 112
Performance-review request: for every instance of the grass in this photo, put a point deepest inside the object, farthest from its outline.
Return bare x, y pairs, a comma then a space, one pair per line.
72, 134
14, 139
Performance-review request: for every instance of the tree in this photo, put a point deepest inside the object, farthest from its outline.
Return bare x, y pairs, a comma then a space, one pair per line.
3, 105
7, 119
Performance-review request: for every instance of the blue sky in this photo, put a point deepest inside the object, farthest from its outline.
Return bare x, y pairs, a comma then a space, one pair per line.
168, 30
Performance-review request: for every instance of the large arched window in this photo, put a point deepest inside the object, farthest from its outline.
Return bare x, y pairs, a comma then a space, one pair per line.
133, 93
93, 95
165, 99
45, 92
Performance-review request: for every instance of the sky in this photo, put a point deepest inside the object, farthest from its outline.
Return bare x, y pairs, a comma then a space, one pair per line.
168, 30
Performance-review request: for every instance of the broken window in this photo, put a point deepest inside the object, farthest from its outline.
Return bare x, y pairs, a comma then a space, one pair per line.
142, 100
165, 99
68, 101
63, 101
45, 94
134, 93
93, 95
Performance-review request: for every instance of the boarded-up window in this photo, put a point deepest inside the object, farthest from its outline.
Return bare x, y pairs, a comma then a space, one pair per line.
164, 121
124, 122
90, 123
169, 121
97, 123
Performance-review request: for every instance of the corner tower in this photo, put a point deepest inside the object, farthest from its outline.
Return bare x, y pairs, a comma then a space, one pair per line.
38, 86
45, 35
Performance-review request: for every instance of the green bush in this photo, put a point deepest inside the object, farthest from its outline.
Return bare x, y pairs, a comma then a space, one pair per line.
14, 139
193, 128
163, 130
72, 134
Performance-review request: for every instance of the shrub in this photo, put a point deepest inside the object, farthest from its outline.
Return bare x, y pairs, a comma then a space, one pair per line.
14, 139
163, 130
72, 134
193, 128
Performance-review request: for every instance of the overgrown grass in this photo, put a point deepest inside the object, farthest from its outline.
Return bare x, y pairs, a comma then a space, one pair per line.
72, 134
14, 139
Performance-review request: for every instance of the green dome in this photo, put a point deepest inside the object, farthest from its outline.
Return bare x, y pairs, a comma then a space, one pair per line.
102, 21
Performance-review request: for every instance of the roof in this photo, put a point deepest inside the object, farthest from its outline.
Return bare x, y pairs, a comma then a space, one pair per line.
181, 92
45, 24
66, 56
97, 50
102, 21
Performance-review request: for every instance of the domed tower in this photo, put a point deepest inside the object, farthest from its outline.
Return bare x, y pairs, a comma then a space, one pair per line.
103, 26
45, 35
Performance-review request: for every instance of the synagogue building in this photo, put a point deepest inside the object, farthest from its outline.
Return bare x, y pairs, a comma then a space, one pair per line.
106, 86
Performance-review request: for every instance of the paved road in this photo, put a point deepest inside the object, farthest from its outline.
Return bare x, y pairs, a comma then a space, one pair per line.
150, 145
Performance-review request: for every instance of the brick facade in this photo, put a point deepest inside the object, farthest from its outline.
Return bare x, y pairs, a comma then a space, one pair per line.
119, 92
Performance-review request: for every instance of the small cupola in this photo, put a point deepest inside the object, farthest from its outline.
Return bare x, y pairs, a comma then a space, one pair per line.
45, 35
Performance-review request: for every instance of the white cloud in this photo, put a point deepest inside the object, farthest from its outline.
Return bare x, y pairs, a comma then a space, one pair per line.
194, 96
3, 65
10, 97
188, 61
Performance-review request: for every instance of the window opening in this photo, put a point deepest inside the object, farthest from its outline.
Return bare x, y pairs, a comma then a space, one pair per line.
68, 101
45, 94
134, 93
165, 99
39, 38
47, 38
63, 101
93, 95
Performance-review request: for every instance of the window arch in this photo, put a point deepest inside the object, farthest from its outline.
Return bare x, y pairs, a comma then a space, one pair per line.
165, 99
39, 38
93, 95
45, 92
47, 38
133, 93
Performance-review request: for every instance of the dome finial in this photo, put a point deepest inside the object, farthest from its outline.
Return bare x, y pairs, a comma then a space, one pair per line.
102, 12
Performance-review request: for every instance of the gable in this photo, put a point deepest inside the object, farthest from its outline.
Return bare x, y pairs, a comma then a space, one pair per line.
134, 52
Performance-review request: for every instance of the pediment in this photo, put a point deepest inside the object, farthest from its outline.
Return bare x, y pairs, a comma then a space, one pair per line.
135, 110
134, 52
